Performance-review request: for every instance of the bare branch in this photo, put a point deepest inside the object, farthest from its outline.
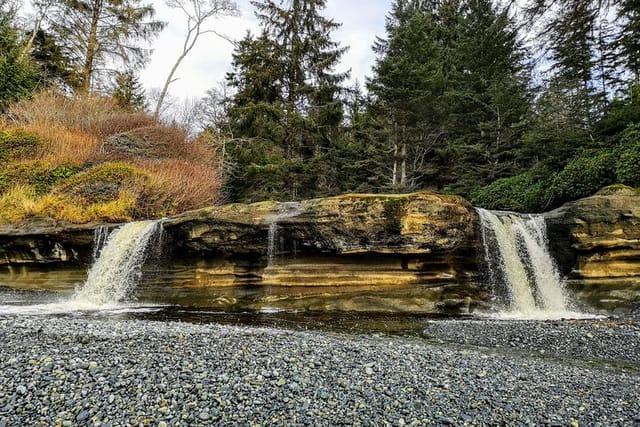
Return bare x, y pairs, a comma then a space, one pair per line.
196, 12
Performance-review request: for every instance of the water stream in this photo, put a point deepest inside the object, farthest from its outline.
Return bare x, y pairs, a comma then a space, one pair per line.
117, 267
286, 210
522, 272
116, 271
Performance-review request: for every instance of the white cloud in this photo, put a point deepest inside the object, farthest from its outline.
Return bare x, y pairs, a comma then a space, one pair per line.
210, 60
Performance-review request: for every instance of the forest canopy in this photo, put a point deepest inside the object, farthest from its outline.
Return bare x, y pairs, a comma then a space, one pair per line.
519, 109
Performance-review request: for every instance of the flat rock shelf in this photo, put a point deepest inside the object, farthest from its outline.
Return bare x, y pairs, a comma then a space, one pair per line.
89, 371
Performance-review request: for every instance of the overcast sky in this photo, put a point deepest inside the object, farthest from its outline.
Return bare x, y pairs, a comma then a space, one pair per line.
206, 65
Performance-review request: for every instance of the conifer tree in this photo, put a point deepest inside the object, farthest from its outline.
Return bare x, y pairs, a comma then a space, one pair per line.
452, 81
18, 77
97, 33
128, 92
287, 113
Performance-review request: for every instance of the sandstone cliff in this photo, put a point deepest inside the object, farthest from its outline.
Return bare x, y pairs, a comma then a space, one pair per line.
596, 241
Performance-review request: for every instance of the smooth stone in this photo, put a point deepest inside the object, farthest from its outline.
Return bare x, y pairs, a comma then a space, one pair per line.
82, 416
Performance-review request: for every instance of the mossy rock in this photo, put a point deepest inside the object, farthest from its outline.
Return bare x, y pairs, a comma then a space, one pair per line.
40, 175
16, 144
149, 142
103, 182
618, 189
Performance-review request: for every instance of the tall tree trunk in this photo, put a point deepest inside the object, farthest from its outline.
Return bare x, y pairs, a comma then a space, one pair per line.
189, 43
394, 178
403, 157
87, 68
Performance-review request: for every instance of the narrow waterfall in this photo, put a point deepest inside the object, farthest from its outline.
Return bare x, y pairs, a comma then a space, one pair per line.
286, 210
100, 236
118, 266
523, 275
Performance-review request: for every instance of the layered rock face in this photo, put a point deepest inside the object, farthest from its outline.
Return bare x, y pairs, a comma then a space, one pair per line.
419, 248
596, 241
415, 252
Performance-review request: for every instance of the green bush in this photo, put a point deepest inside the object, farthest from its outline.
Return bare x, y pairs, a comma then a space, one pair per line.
41, 176
17, 144
523, 193
628, 165
584, 175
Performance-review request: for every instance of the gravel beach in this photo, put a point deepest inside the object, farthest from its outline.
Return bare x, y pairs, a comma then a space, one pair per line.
77, 371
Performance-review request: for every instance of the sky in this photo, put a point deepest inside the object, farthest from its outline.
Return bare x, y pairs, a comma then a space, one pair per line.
206, 65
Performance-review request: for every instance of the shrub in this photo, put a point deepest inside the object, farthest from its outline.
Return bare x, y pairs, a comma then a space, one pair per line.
523, 193
103, 183
40, 176
122, 122
64, 146
176, 186
628, 165
17, 144
584, 175
80, 113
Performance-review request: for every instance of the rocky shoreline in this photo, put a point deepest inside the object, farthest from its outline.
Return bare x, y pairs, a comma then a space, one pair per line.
87, 371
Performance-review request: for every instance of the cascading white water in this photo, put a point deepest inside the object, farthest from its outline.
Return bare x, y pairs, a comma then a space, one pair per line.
286, 210
520, 264
115, 272
100, 236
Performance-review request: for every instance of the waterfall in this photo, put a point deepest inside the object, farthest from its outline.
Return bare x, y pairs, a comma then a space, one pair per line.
285, 210
118, 266
100, 236
523, 275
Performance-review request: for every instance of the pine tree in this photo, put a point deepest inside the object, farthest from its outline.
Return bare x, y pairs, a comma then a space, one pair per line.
406, 87
128, 92
489, 98
452, 81
629, 39
55, 69
18, 77
287, 113
96, 33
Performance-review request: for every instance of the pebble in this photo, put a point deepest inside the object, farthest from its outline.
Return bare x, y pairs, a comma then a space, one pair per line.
232, 375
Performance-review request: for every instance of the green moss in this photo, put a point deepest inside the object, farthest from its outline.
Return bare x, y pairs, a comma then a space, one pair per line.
17, 144
393, 212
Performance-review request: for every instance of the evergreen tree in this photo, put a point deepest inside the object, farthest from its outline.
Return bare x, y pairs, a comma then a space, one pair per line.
287, 113
95, 33
489, 98
54, 67
407, 86
452, 81
629, 39
18, 77
128, 92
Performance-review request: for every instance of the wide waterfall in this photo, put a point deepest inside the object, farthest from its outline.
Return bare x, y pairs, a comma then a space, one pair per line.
118, 264
523, 275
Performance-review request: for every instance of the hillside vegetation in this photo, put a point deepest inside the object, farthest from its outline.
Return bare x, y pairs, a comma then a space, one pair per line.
83, 159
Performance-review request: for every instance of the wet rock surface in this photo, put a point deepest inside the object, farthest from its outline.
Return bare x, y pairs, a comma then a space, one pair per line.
596, 243
84, 371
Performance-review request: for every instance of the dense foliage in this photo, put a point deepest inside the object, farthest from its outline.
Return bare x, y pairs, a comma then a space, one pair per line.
463, 98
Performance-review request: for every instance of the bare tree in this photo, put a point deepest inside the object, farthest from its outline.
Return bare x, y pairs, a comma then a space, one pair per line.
197, 12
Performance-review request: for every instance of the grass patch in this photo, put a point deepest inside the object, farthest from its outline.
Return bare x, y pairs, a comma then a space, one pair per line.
81, 160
